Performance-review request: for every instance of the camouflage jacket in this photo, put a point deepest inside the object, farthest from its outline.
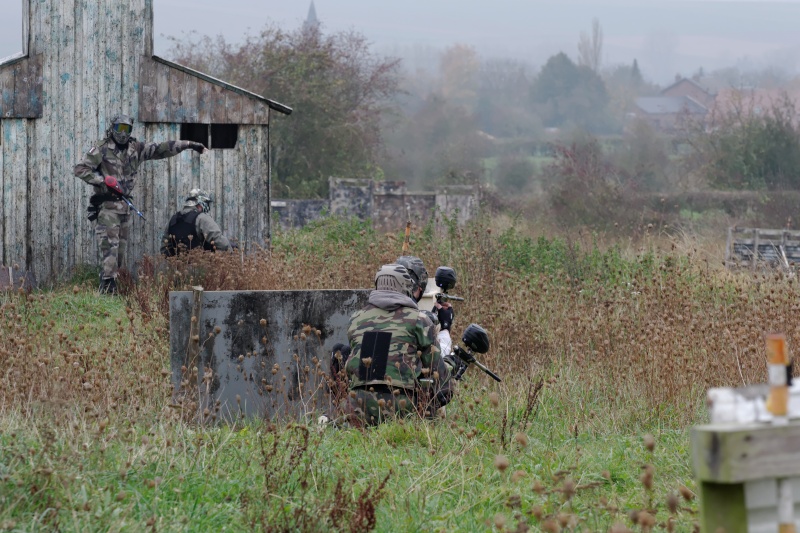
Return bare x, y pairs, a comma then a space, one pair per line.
205, 227
413, 353
106, 159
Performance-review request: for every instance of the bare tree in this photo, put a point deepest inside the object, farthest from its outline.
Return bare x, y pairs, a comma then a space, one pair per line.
590, 48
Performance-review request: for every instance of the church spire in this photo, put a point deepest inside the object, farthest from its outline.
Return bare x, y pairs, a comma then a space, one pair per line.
311, 20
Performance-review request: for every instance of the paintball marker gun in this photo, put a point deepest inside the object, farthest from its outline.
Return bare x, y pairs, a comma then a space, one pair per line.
476, 340
445, 278
113, 185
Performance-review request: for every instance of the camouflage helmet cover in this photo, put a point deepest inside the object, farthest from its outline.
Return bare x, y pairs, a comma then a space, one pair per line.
200, 197
394, 278
121, 128
417, 269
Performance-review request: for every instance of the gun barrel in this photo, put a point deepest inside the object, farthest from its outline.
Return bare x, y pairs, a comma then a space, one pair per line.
445, 296
491, 374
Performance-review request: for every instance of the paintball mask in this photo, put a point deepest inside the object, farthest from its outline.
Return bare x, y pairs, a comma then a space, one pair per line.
200, 197
417, 270
121, 128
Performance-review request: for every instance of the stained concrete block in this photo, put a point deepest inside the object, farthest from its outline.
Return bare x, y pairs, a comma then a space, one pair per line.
270, 356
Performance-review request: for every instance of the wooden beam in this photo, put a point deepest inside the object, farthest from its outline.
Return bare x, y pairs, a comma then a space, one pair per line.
734, 453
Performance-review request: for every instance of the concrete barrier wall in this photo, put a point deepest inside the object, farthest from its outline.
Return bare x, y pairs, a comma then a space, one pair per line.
387, 203
262, 353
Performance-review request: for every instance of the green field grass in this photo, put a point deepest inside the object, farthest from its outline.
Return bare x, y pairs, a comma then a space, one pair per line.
606, 357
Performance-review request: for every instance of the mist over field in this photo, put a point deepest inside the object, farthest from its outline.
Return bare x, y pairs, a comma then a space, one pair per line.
666, 36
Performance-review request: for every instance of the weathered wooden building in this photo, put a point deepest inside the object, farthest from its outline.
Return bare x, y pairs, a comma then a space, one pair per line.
82, 62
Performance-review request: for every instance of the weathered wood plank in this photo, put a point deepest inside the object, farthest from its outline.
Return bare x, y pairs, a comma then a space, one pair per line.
218, 100
233, 108
42, 193
7, 94
263, 173
4, 212
203, 102
64, 103
190, 99
177, 90
15, 196
733, 453
147, 90
162, 94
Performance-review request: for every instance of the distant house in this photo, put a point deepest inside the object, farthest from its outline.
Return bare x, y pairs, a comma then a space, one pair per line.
684, 99
758, 101
84, 61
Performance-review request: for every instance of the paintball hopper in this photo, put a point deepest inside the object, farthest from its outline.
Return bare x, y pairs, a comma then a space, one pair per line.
446, 279
475, 338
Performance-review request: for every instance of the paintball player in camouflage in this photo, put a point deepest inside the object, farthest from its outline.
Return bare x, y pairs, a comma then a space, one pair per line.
395, 367
193, 227
118, 155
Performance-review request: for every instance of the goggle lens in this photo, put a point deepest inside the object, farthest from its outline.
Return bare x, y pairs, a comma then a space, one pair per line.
122, 128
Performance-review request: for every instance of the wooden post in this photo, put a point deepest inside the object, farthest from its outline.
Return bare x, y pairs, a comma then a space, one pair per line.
777, 365
756, 242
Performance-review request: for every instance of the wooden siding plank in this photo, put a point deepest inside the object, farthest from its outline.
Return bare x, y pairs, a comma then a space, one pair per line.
42, 201
148, 90
190, 99
261, 113
248, 146
6, 92
176, 109
218, 100
262, 134
4, 212
90, 103
233, 108
162, 93
64, 103
15, 170
204, 102
85, 242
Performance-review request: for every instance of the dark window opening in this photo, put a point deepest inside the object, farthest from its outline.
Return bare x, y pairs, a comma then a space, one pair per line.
224, 135
195, 132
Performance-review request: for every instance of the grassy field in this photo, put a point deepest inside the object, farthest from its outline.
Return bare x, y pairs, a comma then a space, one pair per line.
606, 354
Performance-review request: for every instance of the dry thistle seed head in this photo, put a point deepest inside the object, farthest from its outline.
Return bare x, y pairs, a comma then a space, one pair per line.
538, 487
649, 442
499, 521
521, 439
687, 494
501, 463
550, 526
517, 475
619, 528
494, 399
672, 502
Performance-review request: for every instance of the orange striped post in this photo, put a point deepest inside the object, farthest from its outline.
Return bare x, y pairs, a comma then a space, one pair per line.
778, 369
778, 377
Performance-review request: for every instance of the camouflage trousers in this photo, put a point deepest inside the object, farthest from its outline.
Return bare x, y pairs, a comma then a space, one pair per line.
112, 240
371, 406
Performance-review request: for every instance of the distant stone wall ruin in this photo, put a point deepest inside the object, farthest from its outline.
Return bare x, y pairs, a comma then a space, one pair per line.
387, 203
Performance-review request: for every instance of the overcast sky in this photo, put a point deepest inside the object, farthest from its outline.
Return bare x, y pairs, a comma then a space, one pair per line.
665, 36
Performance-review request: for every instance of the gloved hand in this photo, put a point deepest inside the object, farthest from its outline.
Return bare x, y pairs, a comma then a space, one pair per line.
113, 185
446, 316
197, 147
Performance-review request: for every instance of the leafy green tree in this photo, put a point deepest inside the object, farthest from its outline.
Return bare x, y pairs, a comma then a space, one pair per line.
746, 147
336, 85
565, 93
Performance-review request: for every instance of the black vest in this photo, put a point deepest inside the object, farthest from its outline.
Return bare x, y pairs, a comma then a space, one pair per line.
181, 227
